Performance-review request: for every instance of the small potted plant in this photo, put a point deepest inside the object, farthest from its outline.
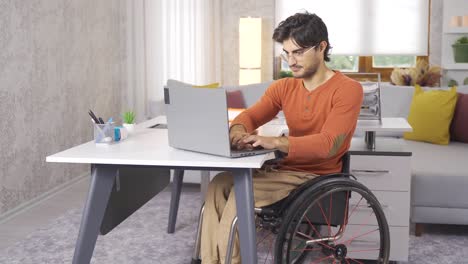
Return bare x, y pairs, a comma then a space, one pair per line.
284, 74
129, 121
460, 50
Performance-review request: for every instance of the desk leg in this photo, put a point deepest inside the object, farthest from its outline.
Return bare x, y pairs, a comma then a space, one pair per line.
370, 140
204, 181
177, 182
102, 181
243, 188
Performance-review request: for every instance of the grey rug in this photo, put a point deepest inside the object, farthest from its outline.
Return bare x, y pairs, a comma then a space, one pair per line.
143, 239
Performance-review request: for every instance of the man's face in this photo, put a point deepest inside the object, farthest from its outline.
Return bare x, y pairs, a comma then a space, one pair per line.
303, 62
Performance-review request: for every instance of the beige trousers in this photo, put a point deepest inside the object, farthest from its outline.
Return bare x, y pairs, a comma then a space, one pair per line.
269, 186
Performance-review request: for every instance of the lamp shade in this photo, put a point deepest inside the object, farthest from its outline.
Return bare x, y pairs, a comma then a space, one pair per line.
250, 50
249, 76
250, 42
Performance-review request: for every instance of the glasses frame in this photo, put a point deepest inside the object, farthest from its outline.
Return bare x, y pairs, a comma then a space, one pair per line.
297, 54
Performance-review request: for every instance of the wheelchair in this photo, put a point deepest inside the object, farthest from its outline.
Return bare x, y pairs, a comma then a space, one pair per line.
329, 219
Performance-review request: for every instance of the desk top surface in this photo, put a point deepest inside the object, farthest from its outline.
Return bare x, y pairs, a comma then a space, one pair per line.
388, 124
149, 146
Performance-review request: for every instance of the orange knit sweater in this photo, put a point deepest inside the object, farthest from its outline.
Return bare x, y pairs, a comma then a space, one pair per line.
321, 122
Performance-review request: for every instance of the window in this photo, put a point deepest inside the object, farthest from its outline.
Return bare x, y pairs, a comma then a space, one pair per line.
371, 38
393, 61
344, 63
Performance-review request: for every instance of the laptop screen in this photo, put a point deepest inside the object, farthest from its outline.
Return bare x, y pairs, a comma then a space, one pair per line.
197, 118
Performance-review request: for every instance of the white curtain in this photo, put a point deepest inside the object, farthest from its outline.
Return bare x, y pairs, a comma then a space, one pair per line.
178, 39
368, 27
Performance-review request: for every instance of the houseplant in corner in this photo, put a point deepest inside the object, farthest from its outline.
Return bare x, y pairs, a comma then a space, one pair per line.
129, 121
460, 50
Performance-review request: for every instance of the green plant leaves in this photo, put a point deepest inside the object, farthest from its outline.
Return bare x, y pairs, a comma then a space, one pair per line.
129, 117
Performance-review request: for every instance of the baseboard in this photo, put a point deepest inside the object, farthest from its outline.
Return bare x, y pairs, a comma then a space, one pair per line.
37, 200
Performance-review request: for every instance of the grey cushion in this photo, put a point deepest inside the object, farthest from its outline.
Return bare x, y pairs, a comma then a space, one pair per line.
175, 83
251, 92
439, 174
396, 100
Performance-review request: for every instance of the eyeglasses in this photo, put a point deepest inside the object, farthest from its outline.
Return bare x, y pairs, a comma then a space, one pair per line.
297, 54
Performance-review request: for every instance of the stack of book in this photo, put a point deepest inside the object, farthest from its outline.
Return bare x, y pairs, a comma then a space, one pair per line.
370, 108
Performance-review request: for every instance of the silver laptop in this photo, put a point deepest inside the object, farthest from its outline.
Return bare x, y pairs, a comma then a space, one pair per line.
197, 120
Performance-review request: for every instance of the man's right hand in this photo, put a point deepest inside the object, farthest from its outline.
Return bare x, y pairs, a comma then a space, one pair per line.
236, 135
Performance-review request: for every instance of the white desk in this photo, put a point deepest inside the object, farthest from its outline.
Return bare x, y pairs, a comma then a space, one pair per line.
388, 124
149, 147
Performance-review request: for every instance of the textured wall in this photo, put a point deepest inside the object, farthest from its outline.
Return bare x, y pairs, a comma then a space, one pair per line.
232, 10
58, 58
435, 37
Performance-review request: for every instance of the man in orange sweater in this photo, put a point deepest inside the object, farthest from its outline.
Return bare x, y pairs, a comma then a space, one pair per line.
321, 108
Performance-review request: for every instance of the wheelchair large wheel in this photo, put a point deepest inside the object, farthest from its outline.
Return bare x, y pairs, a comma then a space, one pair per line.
347, 221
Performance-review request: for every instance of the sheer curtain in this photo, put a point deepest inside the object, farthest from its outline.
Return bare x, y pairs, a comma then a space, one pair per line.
178, 39
368, 27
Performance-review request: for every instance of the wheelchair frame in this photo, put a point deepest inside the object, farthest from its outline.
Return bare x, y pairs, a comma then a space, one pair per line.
271, 216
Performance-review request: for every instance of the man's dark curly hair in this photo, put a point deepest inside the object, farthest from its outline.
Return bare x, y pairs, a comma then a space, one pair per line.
305, 29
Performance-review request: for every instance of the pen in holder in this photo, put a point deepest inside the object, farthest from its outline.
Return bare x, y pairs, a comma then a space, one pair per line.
104, 133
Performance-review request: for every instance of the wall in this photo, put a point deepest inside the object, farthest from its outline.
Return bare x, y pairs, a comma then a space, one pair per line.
435, 37
232, 10
58, 58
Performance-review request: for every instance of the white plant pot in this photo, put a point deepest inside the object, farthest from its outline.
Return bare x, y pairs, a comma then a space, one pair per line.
130, 128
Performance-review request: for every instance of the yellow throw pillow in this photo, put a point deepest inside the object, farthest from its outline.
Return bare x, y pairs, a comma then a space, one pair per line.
430, 115
211, 85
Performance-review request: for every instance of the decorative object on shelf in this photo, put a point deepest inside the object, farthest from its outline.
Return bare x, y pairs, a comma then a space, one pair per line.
456, 21
129, 121
465, 82
422, 74
460, 50
465, 21
452, 83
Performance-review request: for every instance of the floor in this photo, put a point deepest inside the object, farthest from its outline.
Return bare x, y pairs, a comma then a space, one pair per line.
19, 226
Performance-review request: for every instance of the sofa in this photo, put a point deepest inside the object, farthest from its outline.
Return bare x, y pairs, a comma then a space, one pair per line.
439, 174
439, 177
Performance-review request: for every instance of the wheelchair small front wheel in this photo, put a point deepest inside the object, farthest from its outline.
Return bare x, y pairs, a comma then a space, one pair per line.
344, 223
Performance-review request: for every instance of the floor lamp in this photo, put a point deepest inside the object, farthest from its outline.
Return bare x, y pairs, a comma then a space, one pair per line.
250, 50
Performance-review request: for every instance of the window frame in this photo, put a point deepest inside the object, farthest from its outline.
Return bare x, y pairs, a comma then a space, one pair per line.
366, 66
366, 62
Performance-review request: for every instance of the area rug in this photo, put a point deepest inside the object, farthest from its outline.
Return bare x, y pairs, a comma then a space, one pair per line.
142, 238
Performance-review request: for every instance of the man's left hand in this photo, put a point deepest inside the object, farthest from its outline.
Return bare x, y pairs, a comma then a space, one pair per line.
280, 143
265, 142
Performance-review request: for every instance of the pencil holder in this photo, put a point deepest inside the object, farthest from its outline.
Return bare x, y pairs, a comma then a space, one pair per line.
104, 133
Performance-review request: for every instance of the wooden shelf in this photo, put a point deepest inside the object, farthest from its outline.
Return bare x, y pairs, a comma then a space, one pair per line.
451, 70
